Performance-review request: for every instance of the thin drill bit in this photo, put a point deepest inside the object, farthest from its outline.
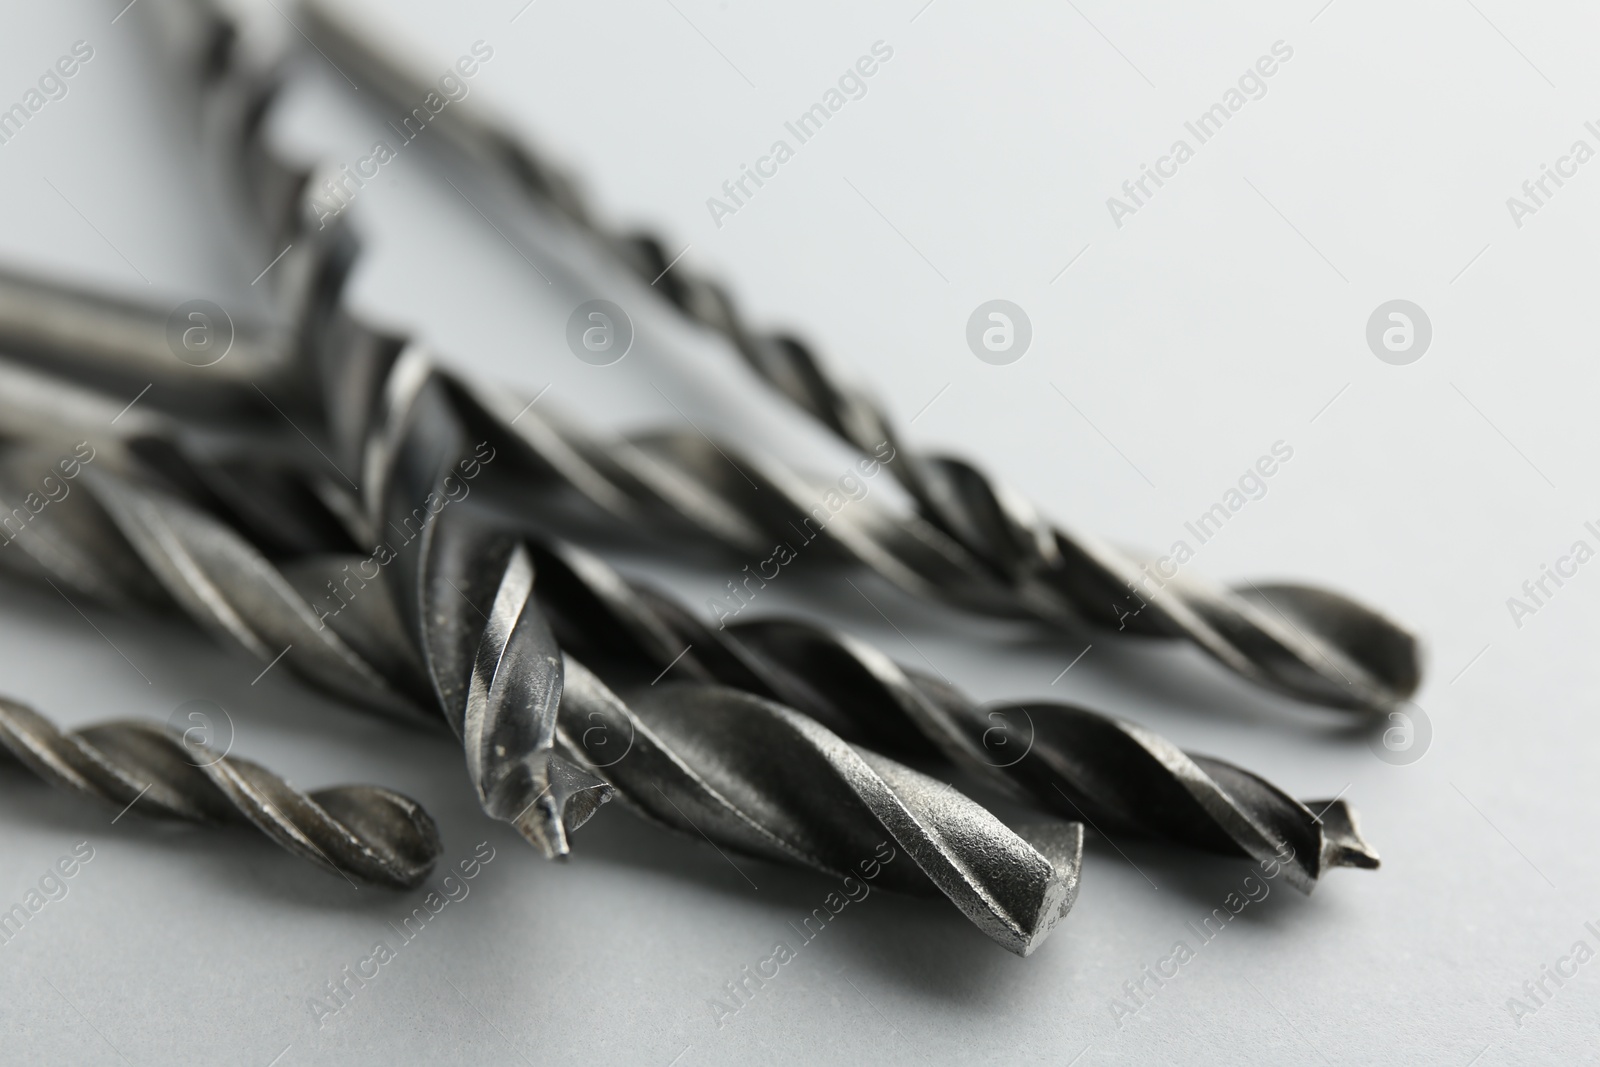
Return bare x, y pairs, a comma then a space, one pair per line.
971, 540
362, 832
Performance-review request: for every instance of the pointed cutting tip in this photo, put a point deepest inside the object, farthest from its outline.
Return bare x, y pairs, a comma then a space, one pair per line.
1342, 843
569, 797
1060, 844
544, 828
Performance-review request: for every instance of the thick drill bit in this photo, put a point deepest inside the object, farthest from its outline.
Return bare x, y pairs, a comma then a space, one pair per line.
760, 778
1117, 776
971, 540
362, 832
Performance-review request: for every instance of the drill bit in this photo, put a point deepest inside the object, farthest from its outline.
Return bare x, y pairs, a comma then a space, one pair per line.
970, 540
1118, 777
770, 782
362, 832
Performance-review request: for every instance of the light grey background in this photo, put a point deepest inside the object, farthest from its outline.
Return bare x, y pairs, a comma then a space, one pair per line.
1229, 313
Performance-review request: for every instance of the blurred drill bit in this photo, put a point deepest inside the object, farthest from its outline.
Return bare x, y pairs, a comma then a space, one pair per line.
361, 832
970, 540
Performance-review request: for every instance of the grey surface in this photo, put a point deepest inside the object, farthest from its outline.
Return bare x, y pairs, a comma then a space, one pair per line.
1228, 314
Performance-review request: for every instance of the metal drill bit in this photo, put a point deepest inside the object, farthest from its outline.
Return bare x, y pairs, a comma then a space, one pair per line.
1117, 776
760, 778
362, 832
971, 540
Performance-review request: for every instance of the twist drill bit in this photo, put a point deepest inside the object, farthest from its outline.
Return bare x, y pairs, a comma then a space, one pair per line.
971, 540
763, 779
1116, 776
358, 831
